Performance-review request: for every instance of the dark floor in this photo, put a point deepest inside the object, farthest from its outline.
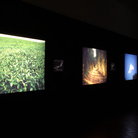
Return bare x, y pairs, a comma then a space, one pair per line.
123, 126
120, 121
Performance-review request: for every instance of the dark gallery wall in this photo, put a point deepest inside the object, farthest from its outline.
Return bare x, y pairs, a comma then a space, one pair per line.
68, 102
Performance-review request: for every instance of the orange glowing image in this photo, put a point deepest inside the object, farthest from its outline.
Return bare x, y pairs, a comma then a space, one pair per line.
94, 66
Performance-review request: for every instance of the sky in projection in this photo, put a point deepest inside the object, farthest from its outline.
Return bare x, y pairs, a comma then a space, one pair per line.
130, 66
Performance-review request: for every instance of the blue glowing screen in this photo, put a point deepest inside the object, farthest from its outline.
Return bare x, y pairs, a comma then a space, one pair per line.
130, 67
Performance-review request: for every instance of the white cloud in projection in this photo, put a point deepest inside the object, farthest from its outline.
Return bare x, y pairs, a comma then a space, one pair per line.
131, 67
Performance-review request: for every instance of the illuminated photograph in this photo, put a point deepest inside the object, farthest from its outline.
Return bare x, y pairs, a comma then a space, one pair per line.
130, 72
94, 66
22, 64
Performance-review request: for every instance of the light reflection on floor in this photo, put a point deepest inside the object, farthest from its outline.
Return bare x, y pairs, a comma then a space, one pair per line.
130, 126
125, 126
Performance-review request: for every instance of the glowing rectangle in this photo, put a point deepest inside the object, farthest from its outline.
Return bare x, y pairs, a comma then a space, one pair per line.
130, 67
22, 64
94, 66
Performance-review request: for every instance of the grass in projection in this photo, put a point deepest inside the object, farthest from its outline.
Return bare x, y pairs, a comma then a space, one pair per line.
94, 66
22, 64
130, 72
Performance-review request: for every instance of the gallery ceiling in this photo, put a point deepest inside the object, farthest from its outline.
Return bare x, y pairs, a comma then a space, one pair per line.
131, 4
116, 15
